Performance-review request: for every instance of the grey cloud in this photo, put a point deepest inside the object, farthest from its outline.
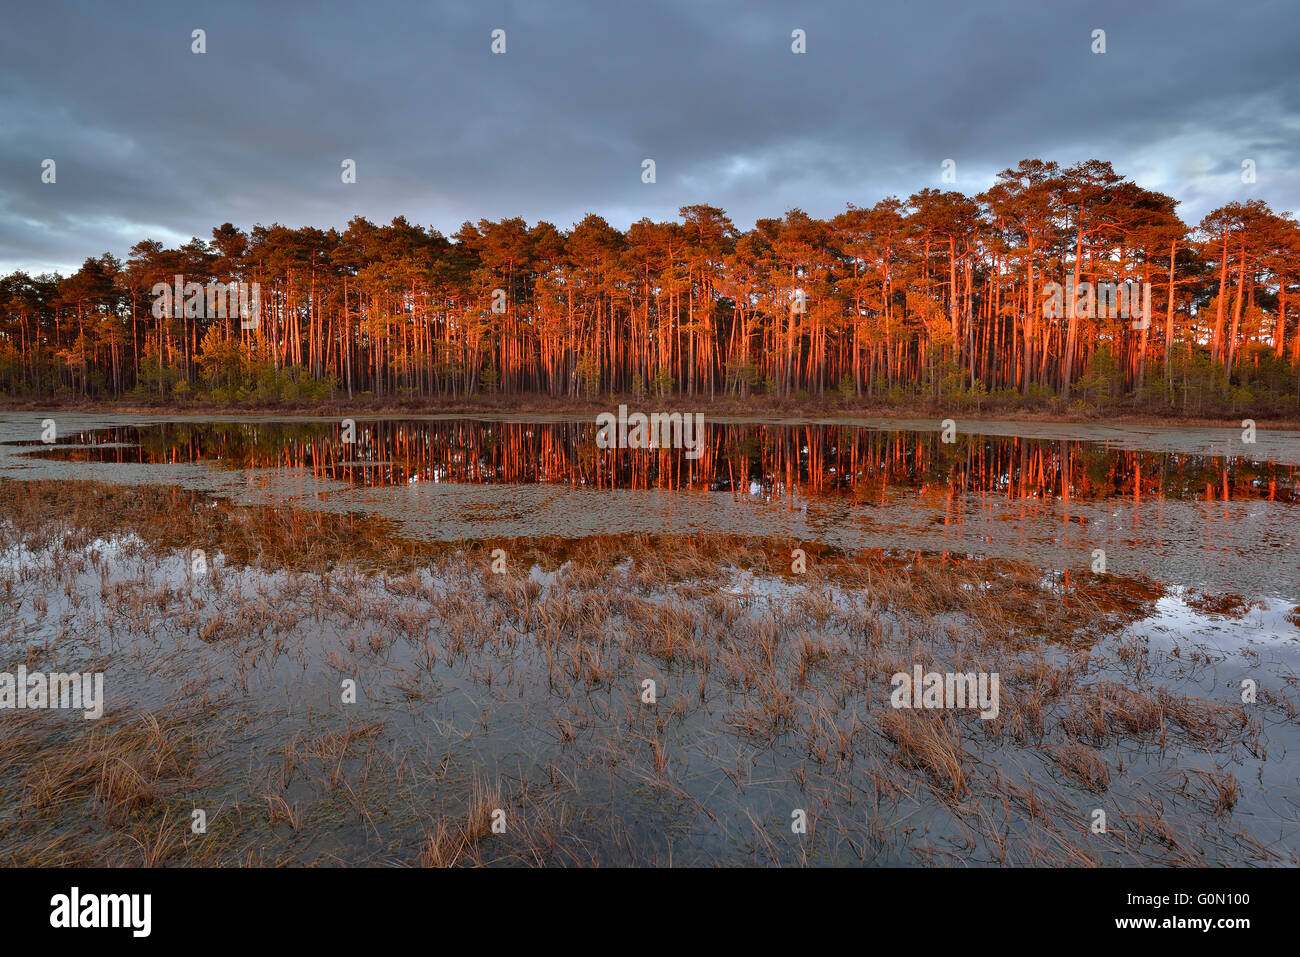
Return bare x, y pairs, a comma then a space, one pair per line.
153, 140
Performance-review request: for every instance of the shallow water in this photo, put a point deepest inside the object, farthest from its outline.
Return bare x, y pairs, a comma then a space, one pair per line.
449, 702
530, 681
1193, 508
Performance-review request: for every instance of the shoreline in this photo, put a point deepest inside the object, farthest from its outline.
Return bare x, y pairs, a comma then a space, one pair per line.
725, 410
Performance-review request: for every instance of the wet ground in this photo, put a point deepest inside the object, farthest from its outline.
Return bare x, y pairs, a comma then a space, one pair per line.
1191, 507
522, 691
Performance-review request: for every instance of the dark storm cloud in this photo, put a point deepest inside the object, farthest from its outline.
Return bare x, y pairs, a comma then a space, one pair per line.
152, 140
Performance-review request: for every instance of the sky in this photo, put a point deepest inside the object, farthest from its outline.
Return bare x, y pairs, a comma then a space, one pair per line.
152, 140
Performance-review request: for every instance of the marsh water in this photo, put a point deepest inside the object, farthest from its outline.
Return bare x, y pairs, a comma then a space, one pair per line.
526, 684
1190, 507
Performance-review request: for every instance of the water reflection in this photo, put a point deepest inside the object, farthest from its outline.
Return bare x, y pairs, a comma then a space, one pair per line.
856, 462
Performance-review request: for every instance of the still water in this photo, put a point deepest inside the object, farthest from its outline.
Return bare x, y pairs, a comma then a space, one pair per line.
1194, 508
523, 690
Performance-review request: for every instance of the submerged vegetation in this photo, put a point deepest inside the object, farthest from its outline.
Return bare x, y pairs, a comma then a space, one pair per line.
520, 693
